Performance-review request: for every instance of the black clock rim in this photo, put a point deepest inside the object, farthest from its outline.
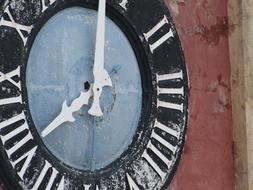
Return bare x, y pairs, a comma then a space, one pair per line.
178, 158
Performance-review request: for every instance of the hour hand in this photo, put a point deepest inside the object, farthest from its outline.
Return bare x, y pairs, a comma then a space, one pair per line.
66, 114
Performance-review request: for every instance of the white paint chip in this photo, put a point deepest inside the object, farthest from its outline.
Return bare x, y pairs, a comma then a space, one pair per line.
123, 4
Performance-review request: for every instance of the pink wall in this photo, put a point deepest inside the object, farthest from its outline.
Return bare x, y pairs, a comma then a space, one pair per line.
207, 162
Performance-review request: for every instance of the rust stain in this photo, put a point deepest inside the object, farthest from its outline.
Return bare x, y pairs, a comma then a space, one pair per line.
232, 27
194, 116
212, 34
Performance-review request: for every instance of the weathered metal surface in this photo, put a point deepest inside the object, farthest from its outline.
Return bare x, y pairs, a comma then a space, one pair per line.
207, 161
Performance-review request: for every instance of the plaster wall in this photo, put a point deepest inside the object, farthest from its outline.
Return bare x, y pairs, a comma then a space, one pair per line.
248, 77
207, 162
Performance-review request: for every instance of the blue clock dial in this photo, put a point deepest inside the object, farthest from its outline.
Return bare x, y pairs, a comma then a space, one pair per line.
60, 63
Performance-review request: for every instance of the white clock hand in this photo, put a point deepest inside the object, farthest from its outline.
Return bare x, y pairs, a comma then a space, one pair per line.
101, 76
67, 112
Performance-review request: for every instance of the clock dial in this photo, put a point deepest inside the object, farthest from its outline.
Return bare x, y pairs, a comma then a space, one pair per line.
89, 142
53, 82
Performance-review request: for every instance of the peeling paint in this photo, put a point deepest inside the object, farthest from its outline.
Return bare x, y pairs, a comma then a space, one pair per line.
175, 4
123, 4
211, 34
220, 88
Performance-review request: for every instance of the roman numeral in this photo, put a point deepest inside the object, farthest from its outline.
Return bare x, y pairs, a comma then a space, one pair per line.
166, 129
52, 178
44, 7
87, 187
13, 133
131, 183
161, 139
176, 91
157, 152
172, 76
155, 29
10, 75
28, 158
61, 184
12, 100
154, 165
19, 27
27, 155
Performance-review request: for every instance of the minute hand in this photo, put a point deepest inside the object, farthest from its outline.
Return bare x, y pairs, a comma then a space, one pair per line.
101, 76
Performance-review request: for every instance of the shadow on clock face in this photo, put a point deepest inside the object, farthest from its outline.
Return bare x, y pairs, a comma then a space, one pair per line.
59, 64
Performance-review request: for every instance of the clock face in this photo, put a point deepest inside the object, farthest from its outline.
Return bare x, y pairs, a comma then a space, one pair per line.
89, 143
57, 64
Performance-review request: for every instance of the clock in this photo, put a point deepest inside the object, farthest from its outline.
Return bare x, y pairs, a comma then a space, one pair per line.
93, 95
